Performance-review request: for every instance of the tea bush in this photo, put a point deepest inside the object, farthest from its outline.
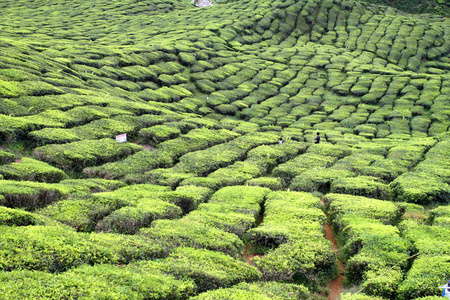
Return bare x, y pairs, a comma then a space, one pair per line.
6, 157
290, 219
231, 209
32, 170
209, 269
417, 285
164, 155
18, 217
318, 179
420, 188
30, 195
175, 233
361, 186
128, 220
78, 155
56, 249
258, 290
374, 82
340, 205
114, 283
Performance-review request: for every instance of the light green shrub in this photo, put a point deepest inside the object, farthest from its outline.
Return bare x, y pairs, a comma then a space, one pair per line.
78, 155
420, 188
30, 195
361, 186
175, 233
18, 217
32, 170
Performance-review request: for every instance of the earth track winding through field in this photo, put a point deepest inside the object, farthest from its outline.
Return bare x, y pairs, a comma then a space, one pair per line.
336, 285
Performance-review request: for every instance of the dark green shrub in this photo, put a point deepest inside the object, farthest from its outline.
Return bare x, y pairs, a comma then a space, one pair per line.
6, 157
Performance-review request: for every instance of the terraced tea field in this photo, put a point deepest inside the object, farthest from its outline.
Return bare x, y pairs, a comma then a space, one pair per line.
204, 96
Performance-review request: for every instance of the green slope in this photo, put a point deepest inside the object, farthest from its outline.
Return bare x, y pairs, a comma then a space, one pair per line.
208, 93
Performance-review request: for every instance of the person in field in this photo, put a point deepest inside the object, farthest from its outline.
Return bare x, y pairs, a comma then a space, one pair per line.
446, 290
281, 141
317, 138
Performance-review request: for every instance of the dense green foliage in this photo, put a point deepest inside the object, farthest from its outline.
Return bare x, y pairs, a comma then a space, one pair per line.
220, 106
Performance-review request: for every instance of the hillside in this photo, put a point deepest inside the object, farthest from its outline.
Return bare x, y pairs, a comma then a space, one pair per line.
202, 182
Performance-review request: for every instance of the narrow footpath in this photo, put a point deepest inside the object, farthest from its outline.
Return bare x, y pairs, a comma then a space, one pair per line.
248, 255
336, 286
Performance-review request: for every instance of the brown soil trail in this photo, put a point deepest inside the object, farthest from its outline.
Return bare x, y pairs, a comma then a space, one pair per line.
247, 255
336, 285
147, 147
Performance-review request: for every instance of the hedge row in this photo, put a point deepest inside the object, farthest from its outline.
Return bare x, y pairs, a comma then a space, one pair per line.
18, 217
165, 154
341, 205
6, 157
32, 170
94, 282
433, 260
122, 121
215, 225
161, 279
259, 161
200, 163
440, 216
127, 209
257, 290
205, 161
56, 248
429, 181
375, 253
78, 155
31, 195
233, 209
208, 269
293, 229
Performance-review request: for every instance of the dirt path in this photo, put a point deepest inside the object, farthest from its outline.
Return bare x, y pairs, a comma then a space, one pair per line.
336, 285
247, 255
147, 147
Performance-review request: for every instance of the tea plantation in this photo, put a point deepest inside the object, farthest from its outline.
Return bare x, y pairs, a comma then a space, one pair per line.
203, 201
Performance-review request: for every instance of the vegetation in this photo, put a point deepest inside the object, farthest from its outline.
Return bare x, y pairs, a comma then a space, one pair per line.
220, 106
